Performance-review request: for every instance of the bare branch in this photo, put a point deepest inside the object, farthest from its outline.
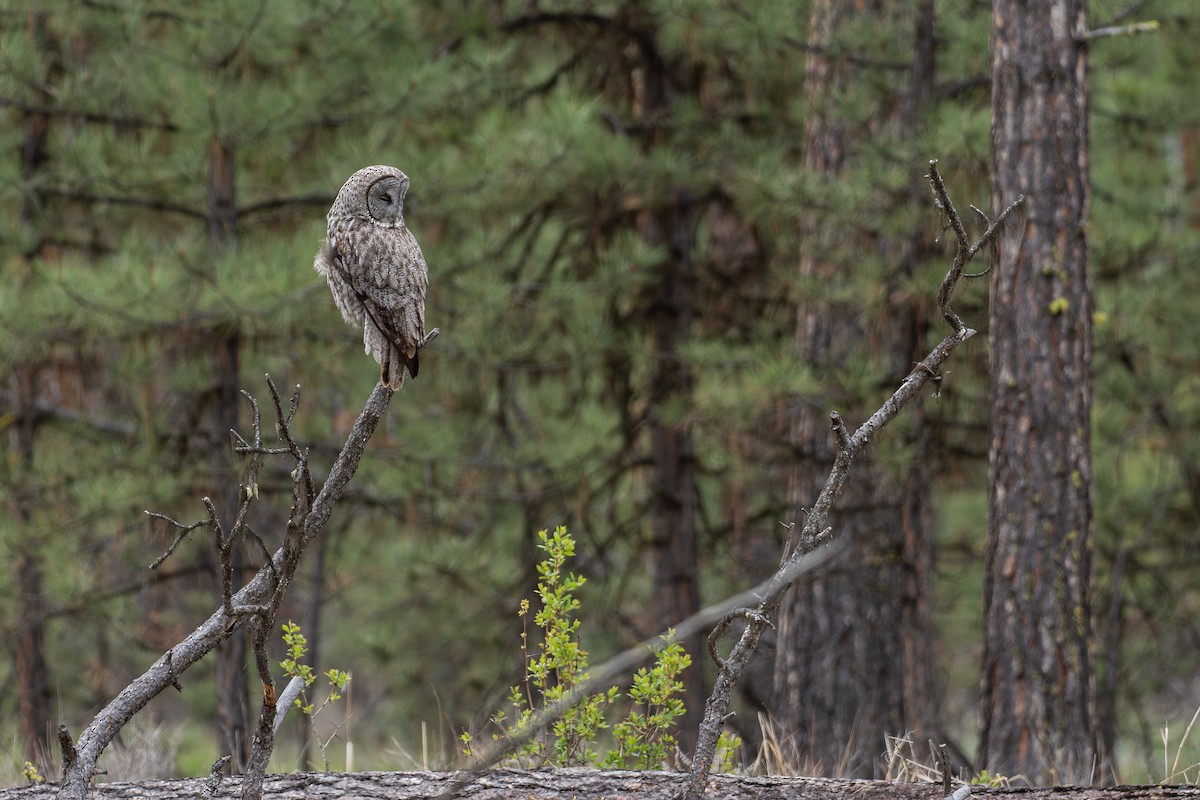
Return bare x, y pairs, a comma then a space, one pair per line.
1150, 26
67, 746
264, 737
298, 203
215, 773
287, 698
250, 449
136, 202
84, 115
815, 529
261, 594
839, 430
429, 337
183, 530
965, 251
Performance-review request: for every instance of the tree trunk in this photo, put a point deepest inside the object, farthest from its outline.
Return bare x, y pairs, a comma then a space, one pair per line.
676, 592
1038, 711
233, 695
32, 673
33, 682
854, 652
672, 551
222, 195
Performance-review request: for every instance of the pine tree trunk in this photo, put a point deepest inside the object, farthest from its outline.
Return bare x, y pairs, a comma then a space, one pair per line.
1038, 682
31, 671
853, 658
676, 592
672, 551
233, 696
32, 674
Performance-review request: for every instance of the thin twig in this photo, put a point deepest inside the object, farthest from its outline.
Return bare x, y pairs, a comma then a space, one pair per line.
183, 530
964, 249
1179, 750
1150, 26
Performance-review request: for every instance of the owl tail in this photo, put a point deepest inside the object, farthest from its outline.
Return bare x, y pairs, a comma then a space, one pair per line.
392, 366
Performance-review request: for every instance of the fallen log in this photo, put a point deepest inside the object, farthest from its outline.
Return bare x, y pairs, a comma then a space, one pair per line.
569, 784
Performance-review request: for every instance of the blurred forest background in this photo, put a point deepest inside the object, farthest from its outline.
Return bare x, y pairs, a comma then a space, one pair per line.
612, 197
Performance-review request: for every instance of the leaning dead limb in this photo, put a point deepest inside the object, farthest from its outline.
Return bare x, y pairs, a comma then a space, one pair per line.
815, 531
257, 596
258, 599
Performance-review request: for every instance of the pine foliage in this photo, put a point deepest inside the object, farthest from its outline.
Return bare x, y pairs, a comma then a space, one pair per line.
545, 171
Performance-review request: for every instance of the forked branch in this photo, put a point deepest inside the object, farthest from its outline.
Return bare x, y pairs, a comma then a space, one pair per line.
965, 250
258, 600
816, 531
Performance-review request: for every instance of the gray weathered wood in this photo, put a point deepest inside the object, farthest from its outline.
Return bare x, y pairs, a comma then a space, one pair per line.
567, 784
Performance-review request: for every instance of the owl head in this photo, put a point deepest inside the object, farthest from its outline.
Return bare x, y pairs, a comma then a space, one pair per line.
375, 194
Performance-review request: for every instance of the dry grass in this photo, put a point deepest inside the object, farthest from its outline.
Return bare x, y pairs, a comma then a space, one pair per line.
144, 750
1173, 773
903, 764
781, 754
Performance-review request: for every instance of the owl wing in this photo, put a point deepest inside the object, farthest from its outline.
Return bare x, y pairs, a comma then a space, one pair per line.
386, 271
328, 264
408, 278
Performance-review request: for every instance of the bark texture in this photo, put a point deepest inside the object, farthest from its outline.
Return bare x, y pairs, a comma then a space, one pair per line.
854, 644
30, 668
569, 784
233, 694
31, 672
1038, 684
669, 314
673, 557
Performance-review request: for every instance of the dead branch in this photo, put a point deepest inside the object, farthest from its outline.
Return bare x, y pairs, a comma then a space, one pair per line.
215, 773
263, 624
259, 599
181, 531
965, 250
287, 699
815, 530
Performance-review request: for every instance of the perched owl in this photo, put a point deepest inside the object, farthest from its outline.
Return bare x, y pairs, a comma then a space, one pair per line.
375, 269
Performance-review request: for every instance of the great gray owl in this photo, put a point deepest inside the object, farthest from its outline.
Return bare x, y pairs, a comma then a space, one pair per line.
376, 270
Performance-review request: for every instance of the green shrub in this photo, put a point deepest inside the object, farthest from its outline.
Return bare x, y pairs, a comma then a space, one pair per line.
559, 663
